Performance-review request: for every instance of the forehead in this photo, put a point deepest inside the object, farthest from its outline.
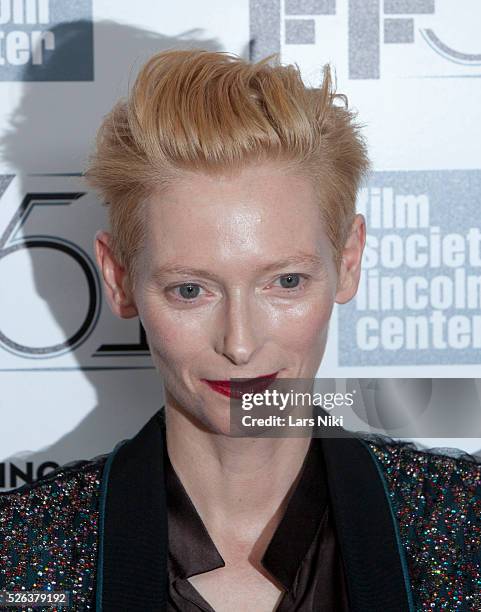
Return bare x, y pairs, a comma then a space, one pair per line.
260, 208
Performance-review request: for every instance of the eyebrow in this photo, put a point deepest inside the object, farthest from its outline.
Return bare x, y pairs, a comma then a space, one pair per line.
299, 259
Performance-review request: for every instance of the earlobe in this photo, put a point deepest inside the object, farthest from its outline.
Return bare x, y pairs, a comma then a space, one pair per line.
114, 277
344, 286
350, 267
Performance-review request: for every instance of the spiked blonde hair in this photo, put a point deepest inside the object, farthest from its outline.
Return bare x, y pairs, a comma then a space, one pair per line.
198, 110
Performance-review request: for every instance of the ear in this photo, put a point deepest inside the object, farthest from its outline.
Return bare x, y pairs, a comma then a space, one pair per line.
350, 268
115, 279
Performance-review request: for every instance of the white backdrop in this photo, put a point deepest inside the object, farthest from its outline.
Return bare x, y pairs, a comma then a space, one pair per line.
73, 378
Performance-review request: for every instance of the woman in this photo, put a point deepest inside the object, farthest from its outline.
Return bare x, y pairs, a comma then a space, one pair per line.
231, 193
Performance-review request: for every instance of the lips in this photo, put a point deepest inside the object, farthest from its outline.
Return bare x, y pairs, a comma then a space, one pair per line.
237, 388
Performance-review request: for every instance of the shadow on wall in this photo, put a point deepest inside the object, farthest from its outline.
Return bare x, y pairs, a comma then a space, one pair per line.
54, 127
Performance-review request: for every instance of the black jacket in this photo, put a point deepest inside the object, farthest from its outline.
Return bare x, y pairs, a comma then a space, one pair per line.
408, 525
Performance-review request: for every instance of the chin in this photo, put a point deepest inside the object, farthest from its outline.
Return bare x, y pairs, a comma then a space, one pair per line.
210, 418
217, 420
217, 427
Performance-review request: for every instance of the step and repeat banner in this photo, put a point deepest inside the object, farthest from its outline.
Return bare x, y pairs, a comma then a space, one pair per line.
74, 379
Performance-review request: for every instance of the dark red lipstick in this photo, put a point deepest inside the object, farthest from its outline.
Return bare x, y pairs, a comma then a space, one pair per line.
237, 388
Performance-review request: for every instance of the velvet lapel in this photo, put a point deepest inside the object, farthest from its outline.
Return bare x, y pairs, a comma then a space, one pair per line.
133, 544
374, 561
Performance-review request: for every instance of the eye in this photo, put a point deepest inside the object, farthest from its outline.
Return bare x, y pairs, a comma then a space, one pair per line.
291, 281
188, 291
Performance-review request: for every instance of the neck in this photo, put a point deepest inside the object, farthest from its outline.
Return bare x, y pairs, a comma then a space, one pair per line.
240, 481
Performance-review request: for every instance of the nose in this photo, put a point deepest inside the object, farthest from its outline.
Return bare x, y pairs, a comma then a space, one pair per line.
239, 338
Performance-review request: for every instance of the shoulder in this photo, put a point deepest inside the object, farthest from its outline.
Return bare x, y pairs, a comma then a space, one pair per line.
437, 478
80, 477
435, 495
49, 528
403, 463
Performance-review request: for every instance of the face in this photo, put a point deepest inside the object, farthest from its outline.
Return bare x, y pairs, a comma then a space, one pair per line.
237, 279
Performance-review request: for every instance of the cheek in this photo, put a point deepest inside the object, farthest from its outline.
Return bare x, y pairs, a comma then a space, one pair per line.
306, 328
172, 341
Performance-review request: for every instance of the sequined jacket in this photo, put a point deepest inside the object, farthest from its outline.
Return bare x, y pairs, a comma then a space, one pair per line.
408, 523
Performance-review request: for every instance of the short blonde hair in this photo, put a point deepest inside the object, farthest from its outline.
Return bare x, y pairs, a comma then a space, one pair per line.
199, 110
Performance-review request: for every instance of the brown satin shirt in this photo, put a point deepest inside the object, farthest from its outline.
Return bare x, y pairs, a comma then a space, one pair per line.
303, 554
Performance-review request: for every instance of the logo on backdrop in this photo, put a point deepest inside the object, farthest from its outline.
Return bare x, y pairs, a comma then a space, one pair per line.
31, 31
421, 38
50, 312
419, 299
14, 475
